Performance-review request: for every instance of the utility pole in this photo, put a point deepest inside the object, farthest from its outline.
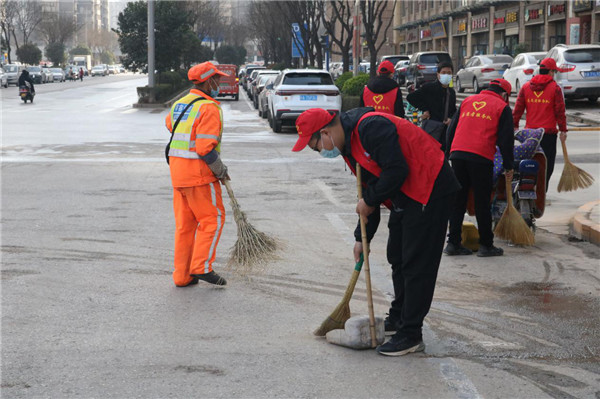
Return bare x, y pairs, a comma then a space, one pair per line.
151, 43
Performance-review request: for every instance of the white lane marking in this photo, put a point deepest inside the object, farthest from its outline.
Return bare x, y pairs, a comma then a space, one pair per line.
456, 379
130, 111
328, 192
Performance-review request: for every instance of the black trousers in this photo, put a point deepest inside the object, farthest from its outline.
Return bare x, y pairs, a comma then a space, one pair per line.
548, 144
479, 176
414, 250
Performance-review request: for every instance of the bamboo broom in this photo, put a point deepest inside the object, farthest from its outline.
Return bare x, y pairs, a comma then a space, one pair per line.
572, 177
252, 248
341, 313
511, 226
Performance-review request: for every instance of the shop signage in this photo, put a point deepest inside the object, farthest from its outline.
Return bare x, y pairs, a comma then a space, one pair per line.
512, 17
460, 26
438, 29
582, 5
534, 14
556, 9
479, 23
500, 19
412, 35
425, 34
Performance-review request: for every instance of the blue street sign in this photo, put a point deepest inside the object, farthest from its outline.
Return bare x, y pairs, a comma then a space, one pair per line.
297, 42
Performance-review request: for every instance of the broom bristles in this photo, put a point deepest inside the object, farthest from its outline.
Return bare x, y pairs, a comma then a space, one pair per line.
512, 227
573, 178
336, 320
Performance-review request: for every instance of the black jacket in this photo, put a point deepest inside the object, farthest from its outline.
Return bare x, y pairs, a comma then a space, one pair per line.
24, 79
380, 84
432, 97
380, 139
505, 141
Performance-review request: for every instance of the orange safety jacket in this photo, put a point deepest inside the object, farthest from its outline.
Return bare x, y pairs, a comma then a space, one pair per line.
477, 128
198, 133
421, 152
382, 102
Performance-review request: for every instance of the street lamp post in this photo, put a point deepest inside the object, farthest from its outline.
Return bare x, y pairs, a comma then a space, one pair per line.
151, 43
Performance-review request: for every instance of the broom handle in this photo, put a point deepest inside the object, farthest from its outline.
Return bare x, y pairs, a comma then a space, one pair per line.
509, 193
365, 244
564, 148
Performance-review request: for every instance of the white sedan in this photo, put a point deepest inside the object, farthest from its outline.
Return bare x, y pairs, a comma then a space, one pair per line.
522, 68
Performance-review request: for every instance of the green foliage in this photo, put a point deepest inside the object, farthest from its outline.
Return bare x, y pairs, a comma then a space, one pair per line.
55, 52
354, 86
29, 54
133, 35
80, 50
350, 102
278, 67
231, 55
339, 82
521, 48
192, 51
159, 93
107, 57
170, 77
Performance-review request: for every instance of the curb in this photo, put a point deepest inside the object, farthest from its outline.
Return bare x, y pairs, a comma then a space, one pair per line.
580, 119
584, 228
167, 104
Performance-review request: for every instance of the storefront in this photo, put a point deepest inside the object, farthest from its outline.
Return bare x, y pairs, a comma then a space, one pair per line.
534, 27
511, 32
459, 44
425, 38
480, 35
557, 24
581, 24
439, 36
412, 38
596, 30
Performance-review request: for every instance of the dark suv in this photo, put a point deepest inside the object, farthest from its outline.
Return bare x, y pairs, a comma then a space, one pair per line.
423, 67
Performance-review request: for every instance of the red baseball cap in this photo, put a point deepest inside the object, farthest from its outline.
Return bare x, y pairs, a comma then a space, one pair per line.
308, 123
201, 72
550, 64
503, 83
385, 67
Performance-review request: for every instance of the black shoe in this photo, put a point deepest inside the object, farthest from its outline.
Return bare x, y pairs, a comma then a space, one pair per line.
453, 249
390, 327
399, 346
212, 278
489, 251
193, 282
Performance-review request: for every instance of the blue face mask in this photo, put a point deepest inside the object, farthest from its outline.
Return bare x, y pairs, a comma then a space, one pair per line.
445, 79
214, 92
330, 153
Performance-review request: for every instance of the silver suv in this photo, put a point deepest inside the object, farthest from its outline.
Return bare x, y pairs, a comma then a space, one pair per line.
582, 63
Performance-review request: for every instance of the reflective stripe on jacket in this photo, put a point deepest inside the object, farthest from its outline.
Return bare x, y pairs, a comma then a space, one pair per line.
477, 129
421, 152
382, 102
198, 133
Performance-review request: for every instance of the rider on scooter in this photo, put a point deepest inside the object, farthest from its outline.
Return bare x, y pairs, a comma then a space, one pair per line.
25, 80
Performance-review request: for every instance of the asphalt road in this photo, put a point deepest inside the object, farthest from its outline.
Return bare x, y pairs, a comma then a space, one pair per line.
89, 309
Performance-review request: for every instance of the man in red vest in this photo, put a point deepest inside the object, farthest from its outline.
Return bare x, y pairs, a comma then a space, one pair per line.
404, 168
482, 122
543, 100
383, 93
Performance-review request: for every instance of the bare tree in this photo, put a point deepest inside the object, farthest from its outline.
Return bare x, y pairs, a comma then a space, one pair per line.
8, 11
206, 19
58, 28
27, 18
274, 38
340, 15
307, 14
372, 17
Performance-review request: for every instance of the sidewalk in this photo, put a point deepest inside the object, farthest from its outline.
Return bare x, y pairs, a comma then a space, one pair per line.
586, 223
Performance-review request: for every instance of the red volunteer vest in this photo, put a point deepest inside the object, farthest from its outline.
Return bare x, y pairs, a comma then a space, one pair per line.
540, 108
477, 128
382, 102
421, 152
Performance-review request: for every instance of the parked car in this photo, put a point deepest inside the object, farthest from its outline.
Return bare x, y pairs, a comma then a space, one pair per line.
521, 69
401, 68
99, 70
13, 71
263, 97
423, 67
3, 78
259, 84
256, 75
47, 75
35, 73
248, 77
581, 66
394, 58
112, 70
229, 85
58, 74
480, 70
296, 90
71, 72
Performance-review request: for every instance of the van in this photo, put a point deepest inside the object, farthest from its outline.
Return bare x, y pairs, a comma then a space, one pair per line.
13, 71
229, 85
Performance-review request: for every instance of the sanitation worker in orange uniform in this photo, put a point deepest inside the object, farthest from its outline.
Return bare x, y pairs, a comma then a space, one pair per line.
382, 93
543, 100
196, 171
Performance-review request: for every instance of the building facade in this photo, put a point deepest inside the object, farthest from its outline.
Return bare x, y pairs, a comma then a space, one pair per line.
468, 27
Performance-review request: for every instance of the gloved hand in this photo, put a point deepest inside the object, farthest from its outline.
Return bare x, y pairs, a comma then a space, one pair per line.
219, 169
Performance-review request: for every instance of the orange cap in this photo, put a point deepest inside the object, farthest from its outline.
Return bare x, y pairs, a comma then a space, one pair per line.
202, 72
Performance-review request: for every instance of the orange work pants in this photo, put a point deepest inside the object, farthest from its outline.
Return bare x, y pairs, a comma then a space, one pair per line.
199, 219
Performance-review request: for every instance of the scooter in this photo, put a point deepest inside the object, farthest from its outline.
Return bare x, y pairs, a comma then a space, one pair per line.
26, 94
